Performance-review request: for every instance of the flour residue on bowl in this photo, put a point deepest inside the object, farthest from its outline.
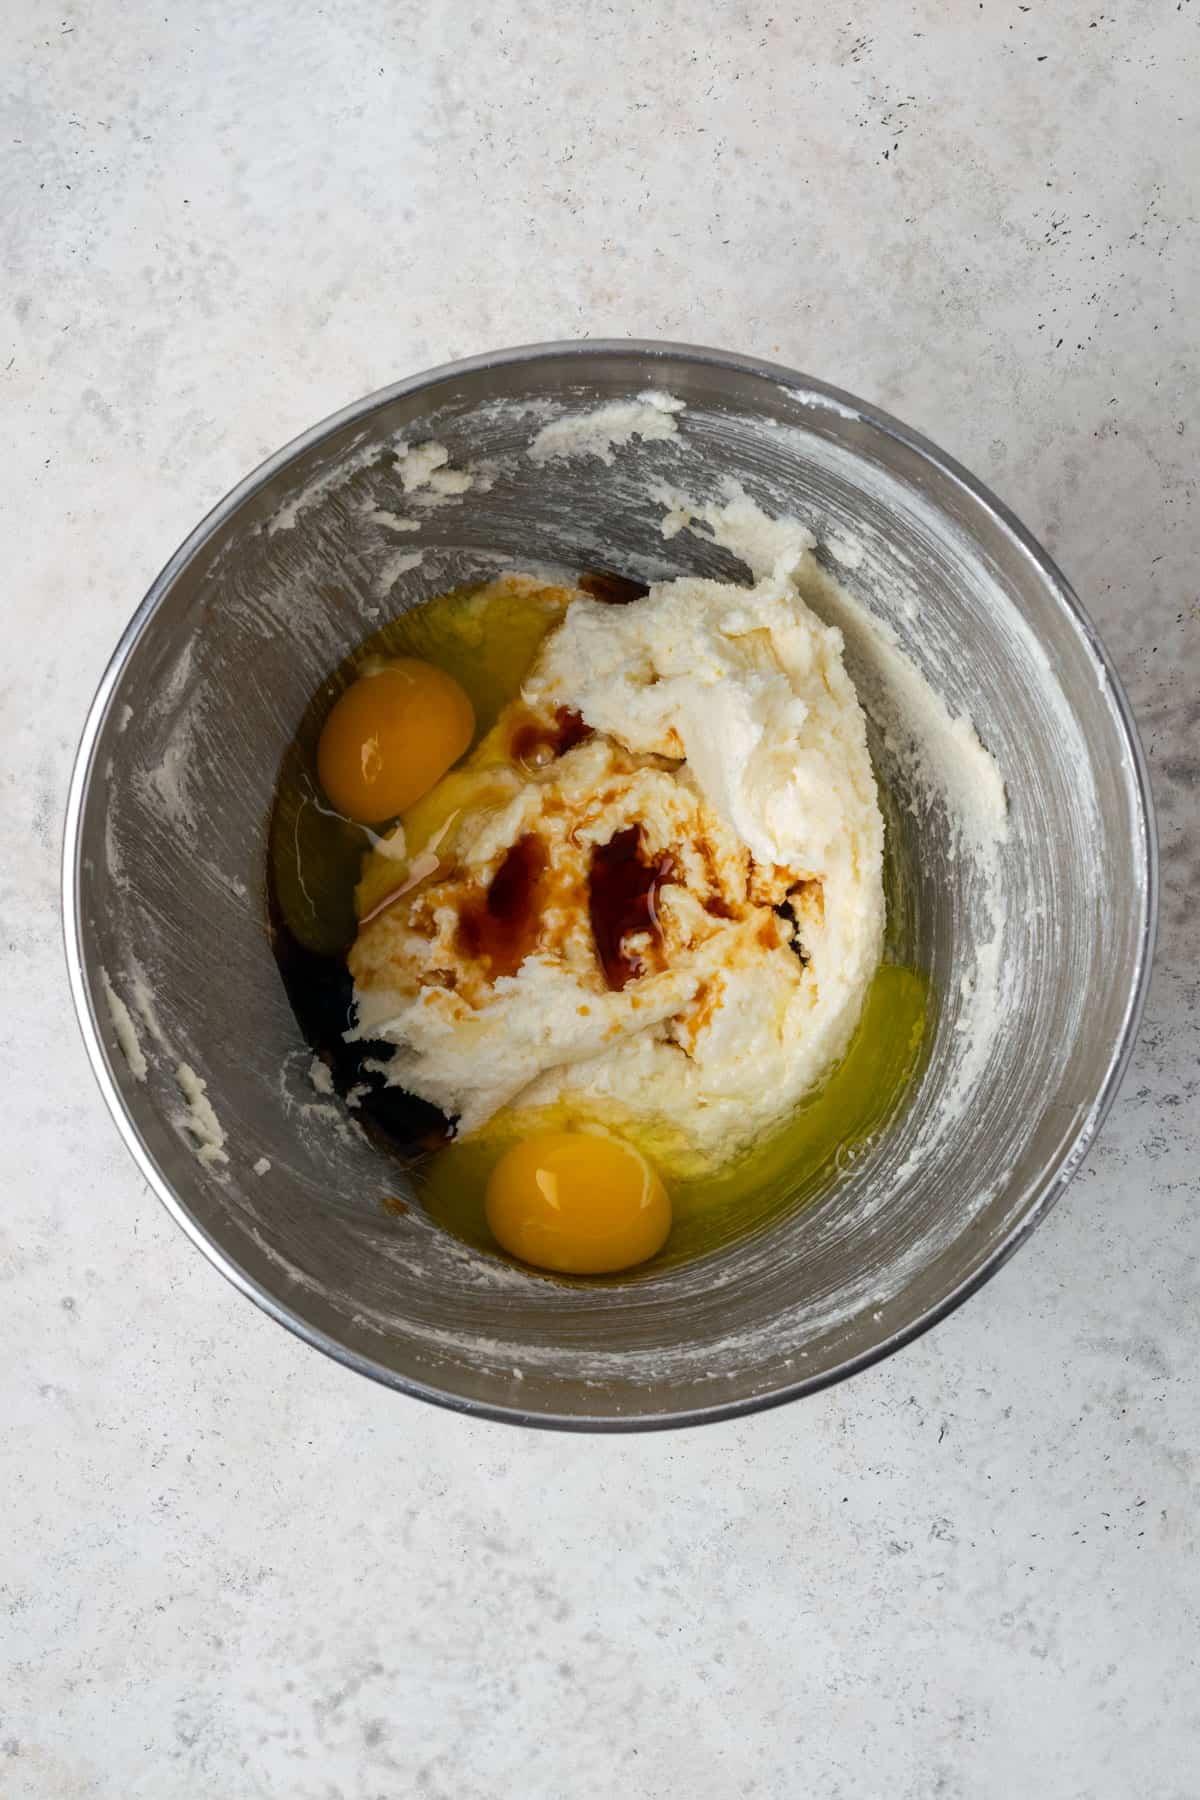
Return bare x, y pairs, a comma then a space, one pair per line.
424, 471
197, 1121
200, 1119
393, 567
124, 1029
358, 456
649, 418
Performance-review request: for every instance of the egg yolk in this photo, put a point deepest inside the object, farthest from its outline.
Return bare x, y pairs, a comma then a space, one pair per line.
578, 1203
390, 737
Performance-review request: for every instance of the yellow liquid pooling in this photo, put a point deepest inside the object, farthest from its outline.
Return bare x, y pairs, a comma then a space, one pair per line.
781, 1172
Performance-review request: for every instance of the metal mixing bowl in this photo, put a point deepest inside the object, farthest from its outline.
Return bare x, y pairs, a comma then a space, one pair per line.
164, 872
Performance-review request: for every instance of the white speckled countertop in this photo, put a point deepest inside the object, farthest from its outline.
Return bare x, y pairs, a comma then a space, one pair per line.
230, 1568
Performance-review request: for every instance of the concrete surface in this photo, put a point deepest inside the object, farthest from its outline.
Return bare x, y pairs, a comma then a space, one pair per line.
229, 1568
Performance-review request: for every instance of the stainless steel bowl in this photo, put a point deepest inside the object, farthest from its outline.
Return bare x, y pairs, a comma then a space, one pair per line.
170, 964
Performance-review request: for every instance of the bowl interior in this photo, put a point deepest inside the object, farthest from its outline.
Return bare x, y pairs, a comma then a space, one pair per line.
1036, 964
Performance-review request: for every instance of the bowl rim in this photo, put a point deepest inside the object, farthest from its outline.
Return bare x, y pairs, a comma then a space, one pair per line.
823, 395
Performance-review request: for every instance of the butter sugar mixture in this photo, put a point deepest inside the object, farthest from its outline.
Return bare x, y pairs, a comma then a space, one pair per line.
652, 895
